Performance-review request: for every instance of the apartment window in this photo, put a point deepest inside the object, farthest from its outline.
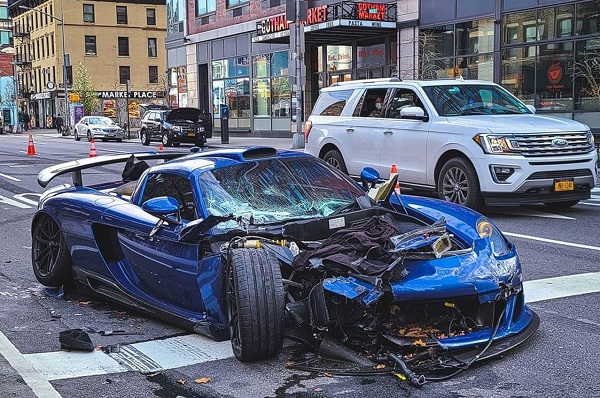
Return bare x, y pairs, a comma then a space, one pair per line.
122, 15
124, 74
123, 46
90, 45
236, 3
205, 6
150, 16
152, 48
153, 74
88, 13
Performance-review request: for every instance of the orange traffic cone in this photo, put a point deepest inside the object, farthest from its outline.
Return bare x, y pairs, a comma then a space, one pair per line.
160, 147
394, 171
30, 146
93, 152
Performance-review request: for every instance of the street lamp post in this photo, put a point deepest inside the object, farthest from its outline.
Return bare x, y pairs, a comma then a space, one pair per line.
64, 56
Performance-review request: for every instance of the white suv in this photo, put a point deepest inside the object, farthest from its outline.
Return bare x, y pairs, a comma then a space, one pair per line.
471, 141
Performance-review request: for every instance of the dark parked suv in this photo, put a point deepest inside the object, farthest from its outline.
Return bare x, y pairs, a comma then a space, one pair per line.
172, 127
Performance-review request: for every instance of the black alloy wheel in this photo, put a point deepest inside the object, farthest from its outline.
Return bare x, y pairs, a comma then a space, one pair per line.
458, 183
50, 255
335, 159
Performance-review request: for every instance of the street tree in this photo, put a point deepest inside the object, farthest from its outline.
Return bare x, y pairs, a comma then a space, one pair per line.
82, 86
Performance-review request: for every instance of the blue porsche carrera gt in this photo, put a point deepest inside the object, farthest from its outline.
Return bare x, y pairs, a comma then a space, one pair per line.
248, 243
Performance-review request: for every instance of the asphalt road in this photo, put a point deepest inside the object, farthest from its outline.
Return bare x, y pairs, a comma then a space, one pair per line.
561, 360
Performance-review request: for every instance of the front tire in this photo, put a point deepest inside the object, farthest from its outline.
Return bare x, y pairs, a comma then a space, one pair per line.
89, 136
50, 255
335, 159
458, 183
255, 304
144, 138
77, 137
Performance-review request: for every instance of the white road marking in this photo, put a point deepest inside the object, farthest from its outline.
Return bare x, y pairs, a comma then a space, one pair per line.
589, 204
9, 177
558, 242
561, 286
8, 201
22, 198
36, 381
148, 356
521, 211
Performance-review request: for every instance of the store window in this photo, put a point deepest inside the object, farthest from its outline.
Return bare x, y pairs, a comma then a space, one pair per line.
587, 19
518, 74
234, 89
271, 92
518, 27
339, 58
587, 78
461, 50
554, 89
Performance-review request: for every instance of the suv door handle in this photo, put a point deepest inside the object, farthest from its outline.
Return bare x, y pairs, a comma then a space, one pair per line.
349, 130
388, 132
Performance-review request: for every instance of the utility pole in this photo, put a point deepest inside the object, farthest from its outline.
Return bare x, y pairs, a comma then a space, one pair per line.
295, 13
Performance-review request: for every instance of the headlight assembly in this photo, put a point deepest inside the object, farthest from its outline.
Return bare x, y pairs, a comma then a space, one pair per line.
176, 128
494, 144
486, 229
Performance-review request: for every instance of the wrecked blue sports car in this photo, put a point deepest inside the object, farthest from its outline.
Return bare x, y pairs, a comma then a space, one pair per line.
254, 244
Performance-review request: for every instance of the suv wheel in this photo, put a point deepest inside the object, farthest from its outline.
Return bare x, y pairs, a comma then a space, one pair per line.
335, 159
166, 140
458, 183
77, 137
144, 138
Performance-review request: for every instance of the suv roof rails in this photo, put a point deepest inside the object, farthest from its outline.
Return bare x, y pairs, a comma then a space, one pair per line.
381, 80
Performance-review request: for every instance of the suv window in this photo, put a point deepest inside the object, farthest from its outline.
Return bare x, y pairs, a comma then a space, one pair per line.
458, 100
401, 98
366, 107
331, 103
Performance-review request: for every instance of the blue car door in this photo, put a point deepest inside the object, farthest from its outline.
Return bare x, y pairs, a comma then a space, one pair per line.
157, 262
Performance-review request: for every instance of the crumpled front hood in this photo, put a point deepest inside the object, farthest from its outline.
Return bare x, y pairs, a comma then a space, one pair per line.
192, 114
518, 123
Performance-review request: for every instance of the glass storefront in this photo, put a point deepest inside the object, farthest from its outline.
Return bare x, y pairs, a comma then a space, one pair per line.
231, 87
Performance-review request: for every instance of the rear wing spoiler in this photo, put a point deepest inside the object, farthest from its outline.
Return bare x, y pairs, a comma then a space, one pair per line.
75, 166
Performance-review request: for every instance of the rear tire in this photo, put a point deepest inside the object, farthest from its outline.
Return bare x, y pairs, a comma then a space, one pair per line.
166, 140
77, 137
336, 160
458, 183
562, 205
255, 304
50, 255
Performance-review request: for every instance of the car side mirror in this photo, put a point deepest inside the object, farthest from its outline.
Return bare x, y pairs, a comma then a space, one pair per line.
161, 206
413, 112
369, 176
531, 108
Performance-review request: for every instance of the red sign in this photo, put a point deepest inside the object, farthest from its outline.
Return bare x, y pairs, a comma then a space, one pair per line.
279, 23
555, 73
370, 11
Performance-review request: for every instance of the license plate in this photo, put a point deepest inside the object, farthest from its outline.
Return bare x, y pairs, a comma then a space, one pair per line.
191, 134
111, 135
564, 185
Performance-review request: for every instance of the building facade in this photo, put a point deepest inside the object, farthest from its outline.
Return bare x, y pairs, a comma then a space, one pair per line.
120, 43
236, 52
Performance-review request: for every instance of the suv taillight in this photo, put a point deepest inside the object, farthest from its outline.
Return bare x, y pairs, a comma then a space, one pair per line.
307, 127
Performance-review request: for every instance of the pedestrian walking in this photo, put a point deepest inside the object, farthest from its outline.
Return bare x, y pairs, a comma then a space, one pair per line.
58, 123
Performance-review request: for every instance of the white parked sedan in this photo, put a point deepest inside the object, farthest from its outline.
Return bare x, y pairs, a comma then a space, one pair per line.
97, 127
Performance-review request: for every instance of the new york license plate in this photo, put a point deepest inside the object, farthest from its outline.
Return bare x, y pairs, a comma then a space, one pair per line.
191, 134
564, 185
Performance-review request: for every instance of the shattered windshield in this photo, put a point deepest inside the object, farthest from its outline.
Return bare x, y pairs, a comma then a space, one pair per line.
275, 191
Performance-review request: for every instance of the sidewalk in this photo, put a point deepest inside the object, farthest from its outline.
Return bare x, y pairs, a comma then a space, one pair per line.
214, 142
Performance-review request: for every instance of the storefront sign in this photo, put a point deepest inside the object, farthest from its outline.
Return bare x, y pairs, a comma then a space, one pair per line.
371, 11
130, 94
42, 96
280, 24
363, 14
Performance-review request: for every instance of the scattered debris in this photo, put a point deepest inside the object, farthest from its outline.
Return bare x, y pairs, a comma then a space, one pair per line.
203, 380
76, 340
181, 381
54, 292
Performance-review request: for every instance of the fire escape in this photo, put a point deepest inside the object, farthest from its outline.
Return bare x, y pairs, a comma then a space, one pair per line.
23, 58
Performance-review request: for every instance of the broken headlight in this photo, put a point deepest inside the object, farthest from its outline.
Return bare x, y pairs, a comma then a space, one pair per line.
498, 242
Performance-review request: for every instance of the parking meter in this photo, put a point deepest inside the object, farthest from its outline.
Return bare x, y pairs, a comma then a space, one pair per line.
224, 111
